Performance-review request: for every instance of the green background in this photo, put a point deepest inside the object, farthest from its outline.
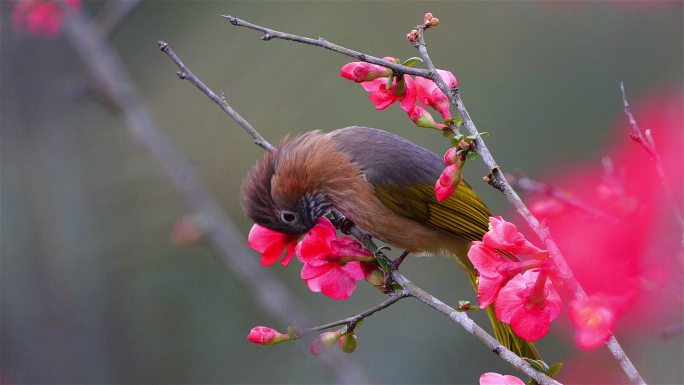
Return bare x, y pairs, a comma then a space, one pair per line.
93, 290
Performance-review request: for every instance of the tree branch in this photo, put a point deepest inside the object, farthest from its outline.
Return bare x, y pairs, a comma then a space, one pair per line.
109, 72
185, 74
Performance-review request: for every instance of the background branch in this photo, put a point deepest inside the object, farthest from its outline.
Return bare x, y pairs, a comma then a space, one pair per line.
107, 70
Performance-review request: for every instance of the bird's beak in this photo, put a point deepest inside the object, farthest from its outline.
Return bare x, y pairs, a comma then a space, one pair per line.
312, 207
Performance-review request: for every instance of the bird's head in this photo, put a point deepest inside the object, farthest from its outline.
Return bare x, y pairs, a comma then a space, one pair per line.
280, 191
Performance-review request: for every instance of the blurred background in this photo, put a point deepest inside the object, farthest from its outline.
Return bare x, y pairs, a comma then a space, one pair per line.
93, 288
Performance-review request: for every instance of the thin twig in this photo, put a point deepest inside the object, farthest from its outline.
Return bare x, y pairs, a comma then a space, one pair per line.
648, 144
186, 74
269, 34
355, 319
108, 71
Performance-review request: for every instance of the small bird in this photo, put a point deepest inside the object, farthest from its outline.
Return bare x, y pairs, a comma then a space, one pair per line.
382, 183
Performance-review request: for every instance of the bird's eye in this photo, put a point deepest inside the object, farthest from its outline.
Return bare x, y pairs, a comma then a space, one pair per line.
287, 216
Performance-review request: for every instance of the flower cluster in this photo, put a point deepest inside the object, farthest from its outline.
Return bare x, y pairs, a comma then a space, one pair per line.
40, 17
514, 276
331, 265
385, 88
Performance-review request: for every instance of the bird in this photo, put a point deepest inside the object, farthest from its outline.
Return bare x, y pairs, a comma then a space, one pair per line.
382, 183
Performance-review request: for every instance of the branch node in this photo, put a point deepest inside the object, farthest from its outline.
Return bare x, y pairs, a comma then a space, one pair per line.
164, 46
266, 36
181, 74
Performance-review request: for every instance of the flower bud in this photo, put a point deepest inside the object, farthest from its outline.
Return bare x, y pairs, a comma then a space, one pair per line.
362, 71
422, 118
434, 21
324, 341
427, 16
347, 342
451, 156
263, 335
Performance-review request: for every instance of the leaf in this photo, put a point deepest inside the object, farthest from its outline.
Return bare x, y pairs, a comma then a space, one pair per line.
472, 155
485, 134
390, 80
410, 62
555, 368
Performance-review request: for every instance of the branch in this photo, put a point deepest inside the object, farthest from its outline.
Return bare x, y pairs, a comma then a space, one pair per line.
186, 74
269, 34
648, 144
355, 319
109, 72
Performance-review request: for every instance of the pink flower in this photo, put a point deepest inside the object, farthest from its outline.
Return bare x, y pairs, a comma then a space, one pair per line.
547, 208
422, 117
529, 303
429, 93
331, 265
382, 97
324, 341
359, 71
594, 319
39, 17
505, 236
448, 181
266, 336
499, 379
495, 271
271, 244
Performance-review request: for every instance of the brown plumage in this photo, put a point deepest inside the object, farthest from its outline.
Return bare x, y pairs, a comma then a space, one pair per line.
382, 183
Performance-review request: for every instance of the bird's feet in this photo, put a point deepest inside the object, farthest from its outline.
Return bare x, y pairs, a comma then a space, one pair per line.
341, 222
395, 263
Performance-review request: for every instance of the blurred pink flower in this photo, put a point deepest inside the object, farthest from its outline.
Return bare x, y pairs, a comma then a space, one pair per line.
40, 17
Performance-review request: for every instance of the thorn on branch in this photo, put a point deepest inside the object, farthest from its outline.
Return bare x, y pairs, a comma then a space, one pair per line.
266, 36
181, 74
494, 181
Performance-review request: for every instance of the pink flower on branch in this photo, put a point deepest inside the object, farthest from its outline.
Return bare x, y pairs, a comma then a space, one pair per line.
400, 91
271, 244
263, 335
492, 378
505, 236
331, 265
422, 117
529, 303
429, 93
40, 17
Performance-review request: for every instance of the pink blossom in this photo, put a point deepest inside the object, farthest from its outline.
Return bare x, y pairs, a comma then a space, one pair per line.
451, 156
547, 208
494, 270
422, 117
359, 71
448, 181
528, 302
266, 336
429, 93
40, 17
403, 91
492, 378
331, 265
271, 244
505, 236
594, 318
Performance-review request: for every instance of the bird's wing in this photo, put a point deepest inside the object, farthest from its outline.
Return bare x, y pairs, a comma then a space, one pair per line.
403, 176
